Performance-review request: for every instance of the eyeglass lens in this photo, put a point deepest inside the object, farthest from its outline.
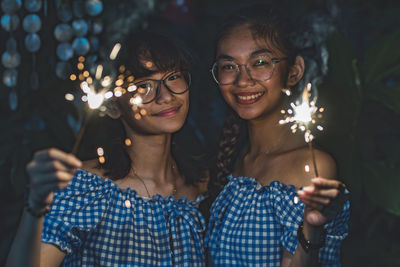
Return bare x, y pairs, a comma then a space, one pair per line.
259, 68
177, 83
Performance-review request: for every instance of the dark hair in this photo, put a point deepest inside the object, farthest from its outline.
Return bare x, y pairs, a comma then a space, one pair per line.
267, 22
166, 55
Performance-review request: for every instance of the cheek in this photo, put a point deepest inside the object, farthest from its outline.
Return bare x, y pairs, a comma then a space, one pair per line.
225, 92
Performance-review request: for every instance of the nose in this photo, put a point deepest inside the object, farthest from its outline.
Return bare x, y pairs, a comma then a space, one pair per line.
243, 78
164, 95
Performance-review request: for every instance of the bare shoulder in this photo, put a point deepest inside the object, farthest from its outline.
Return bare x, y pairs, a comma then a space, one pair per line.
299, 175
326, 164
93, 167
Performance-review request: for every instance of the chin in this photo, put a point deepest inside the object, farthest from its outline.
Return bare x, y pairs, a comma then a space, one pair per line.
170, 127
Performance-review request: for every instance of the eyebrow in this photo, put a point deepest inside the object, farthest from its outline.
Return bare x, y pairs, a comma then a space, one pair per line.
254, 53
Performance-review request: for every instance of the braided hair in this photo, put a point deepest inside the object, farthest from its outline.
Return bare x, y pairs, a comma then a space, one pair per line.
266, 23
292, 35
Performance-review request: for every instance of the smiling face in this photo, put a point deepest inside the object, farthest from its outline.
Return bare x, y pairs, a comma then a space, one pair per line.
166, 114
249, 98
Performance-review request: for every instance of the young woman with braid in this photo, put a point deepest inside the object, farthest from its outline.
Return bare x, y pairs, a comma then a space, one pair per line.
258, 219
139, 209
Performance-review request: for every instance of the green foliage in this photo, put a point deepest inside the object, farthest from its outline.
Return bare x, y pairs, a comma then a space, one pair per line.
363, 108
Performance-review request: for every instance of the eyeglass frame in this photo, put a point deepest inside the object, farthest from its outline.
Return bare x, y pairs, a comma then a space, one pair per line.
158, 87
273, 61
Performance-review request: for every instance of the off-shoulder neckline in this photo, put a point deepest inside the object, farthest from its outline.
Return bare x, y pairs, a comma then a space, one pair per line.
133, 193
274, 184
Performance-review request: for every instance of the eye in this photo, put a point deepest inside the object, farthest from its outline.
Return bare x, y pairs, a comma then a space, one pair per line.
174, 76
226, 66
261, 62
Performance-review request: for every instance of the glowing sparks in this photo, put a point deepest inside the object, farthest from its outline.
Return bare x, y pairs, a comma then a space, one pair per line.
100, 151
128, 142
95, 100
99, 72
69, 97
108, 95
132, 88
149, 64
95, 83
115, 51
302, 113
136, 100
127, 204
287, 91
307, 168
106, 81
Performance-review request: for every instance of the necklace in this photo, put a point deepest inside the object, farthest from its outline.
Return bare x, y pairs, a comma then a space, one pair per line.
147, 190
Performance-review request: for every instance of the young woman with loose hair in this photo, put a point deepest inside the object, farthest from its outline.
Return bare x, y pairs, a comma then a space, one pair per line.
139, 208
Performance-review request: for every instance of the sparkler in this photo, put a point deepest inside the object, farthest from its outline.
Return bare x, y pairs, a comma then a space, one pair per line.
102, 87
303, 112
96, 90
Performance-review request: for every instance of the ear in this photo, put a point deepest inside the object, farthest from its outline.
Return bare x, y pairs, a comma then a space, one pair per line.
112, 109
296, 72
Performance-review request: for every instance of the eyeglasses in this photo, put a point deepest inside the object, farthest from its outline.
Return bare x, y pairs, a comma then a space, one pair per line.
176, 83
259, 68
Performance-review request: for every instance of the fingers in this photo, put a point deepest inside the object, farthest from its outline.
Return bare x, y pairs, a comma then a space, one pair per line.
49, 166
52, 177
326, 183
49, 170
320, 192
56, 154
312, 204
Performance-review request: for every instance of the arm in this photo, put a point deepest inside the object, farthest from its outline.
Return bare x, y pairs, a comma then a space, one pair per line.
316, 197
49, 169
27, 240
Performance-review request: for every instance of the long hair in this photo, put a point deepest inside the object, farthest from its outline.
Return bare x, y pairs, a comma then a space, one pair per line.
166, 55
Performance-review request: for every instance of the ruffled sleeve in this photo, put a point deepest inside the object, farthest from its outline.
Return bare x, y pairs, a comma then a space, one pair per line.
290, 215
75, 211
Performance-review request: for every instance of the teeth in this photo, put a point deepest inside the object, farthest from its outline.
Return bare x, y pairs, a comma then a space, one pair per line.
249, 97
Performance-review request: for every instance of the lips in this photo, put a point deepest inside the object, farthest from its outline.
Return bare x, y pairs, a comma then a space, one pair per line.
248, 97
167, 112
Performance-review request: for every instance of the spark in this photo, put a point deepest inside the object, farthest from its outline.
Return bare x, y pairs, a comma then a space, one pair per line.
302, 113
95, 100
100, 151
69, 97
115, 51
307, 168
99, 72
136, 100
128, 142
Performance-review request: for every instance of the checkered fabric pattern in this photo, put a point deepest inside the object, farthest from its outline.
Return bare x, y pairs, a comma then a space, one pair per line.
250, 225
92, 222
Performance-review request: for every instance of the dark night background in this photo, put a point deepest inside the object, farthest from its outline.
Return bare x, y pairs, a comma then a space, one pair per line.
361, 94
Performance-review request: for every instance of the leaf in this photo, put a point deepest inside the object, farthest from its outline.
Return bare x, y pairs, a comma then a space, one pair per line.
388, 96
341, 62
382, 185
382, 58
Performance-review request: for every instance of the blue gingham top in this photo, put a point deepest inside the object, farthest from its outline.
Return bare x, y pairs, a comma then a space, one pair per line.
96, 223
251, 224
